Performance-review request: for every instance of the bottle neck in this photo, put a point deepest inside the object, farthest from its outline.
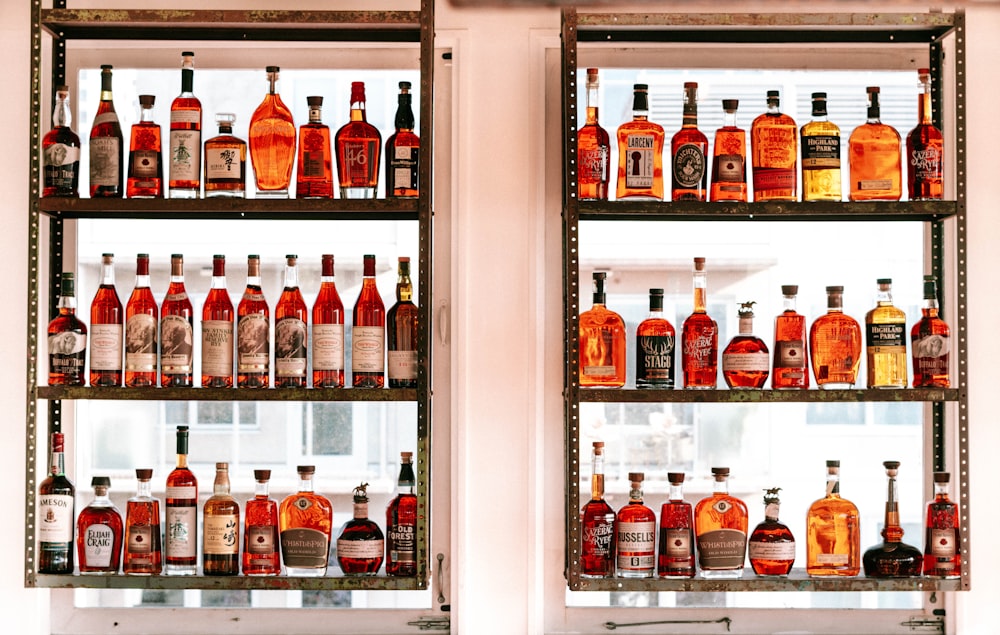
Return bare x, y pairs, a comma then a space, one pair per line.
253, 273
368, 270
305, 482
404, 287
819, 113
358, 110
892, 532
640, 105
788, 302
272, 83
61, 115
690, 111
676, 492
261, 489
874, 111
177, 271
700, 281
144, 489
635, 493
941, 492
592, 102
57, 463
106, 86
219, 274
721, 486
315, 114
883, 296
771, 511
146, 114
101, 498
924, 113
291, 276
729, 119
407, 481
182, 460
833, 484
773, 103
930, 307
835, 303
67, 304
187, 80
221, 486
107, 273
404, 113
142, 273
361, 511
597, 477
746, 324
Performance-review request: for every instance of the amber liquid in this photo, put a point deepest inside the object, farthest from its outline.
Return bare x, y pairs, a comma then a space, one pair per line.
360, 545
930, 339
358, 145
593, 154
729, 165
305, 517
314, 178
55, 548
107, 147
791, 356
221, 543
145, 162
745, 362
597, 543
61, 154
689, 149
185, 143
771, 548
225, 165
602, 348
640, 160
253, 334
724, 518
835, 342
875, 163
773, 142
291, 318
654, 344
368, 333
217, 333
67, 346
141, 315
885, 346
182, 519
109, 535
402, 154
925, 156
272, 145
821, 177
143, 548
261, 554
401, 338
635, 540
943, 541
176, 333
676, 554
328, 331
400, 535
833, 535
700, 346
106, 328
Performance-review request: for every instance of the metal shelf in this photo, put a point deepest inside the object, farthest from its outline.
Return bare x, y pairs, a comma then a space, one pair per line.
228, 583
226, 394
722, 395
231, 208
769, 211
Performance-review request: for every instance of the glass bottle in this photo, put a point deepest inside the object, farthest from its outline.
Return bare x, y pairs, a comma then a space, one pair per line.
107, 145
141, 317
314, 178
221, 542
401, 332
833, 531
67, 339
181, 544
272, 142
401, 523
291, 331
640, 152
360, 545
925, 149
61, 151
143, 542
774, 143
593, 148
746, 362
225, 161
635, 534
106, 329
261, 552
821, 155
217, 330
720, 527
835, 343
874, 157
791, 356
368, 332
56, 495
253, 332
885, 345
597, 524
176, 330
892, 558
99, 532
729, 158
676, 554
358, 145
602, 342
930, 340
700, 337
771, 548
304, 521
654, 345
942, 550
402, 151
185, 135
328, 330
145, 155
689, 149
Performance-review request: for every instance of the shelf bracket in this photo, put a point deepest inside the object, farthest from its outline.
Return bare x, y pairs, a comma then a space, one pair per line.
925, 624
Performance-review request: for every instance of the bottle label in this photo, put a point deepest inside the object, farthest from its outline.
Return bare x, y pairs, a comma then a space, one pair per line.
771, 550
98, 546
593, 164
185, 152
182, 536
722, 549
874, 184
886, 338
103, 118
328, 347
636, 546
655, 359
749, 362
67, 352
926, 163
402, 365
598, 535
639, 161
140, 540
403, 543
943, 545
222, 163
676, 543
60, 154
217, 348
183, 492
403, 167
368, 349
222, 534
176, 345
773, 179
145, 164
315, 153
730, 168
105, 160
304, 548
105, 346
290, 341
358, 168
185, 116
55, 518
261, 539
689, 166
61, 168
930, 355
833, 559
253, 344
699, 347
790, 354
140, 343
360, 549
821, 152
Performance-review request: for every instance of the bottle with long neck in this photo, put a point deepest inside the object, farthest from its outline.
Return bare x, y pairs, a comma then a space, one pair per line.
676, 557
253, 332
729, 157
892, 558
359, 145
261, 553
217, 330
401, 332
593, 148
67, 338
272, 142
368, 332
401, 523
56, 495
597, 524
106, 329
930, 339
402, 151
314, 177
689, 149
874, 158
700, 337
141, 315
833, 531
791, 356
221, 543
185, 135
181, 513
328, 330
820, 155
943, 544
640, 152
107, 145
925, 149
291, 336
61, 151
145, 155
601, 342
143, 543
654, 347
176, 330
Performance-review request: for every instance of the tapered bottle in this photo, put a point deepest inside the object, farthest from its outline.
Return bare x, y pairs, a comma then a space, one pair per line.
107, 145
676, 553
943, 541
99, 532
305, 522
61, 151
892, 558
141, 318
143, 538
272, 142
55, 513
746, 361
593, 148
885, 340
771, 548
181, 540
401, 522
176, 330
291, 331
361, 543
217, 330
720, 527
835, 344
601, 342
67, 338
930, 341
689, 149
221, 543
874, 157
640, 152
597, 524
314, 177
253, 332
261, 549
774, 144
635, 534
790, 368
225, 161
833, 531
145, 154
700, 337
368, 332
402, 151
925, 149
358, 146
401, 332
106, 329
328, 330
185, 135
821, 155
654, 347
729, 157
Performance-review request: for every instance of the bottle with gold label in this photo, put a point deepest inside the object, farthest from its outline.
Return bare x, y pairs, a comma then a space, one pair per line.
820, 155
305, 521
885, 345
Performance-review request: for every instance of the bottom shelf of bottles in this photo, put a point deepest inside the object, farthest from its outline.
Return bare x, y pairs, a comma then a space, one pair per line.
219, 583
796, 580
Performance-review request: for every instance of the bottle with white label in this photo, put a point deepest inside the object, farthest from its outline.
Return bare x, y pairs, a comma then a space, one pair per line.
55, 514
221, 543
368, 333
217, 330
635, 534
99, 532
772, 546
746, 362
328, 331
185, 135
106, 329
181, 548
291, 336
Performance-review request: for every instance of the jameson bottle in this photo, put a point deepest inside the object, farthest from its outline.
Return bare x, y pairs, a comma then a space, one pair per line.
597, 524
145, 157
314, 177
593, 148
106, 329
676, 555
253, 332
401, 523
602, 342
217, 330
368, 333
820, 155
61, 151
55, 514
225, 161
291, 334
67, 339
99, 532
401, 332
729, 160
930, 340
272, 142
328, 330
261, 553
654, 347
689, 147
185, 135
221, 543
402, 151
107, 146
141, 317
181, 545
176, 330
358, 145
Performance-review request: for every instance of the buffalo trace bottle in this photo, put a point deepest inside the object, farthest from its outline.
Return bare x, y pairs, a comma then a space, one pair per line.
61, 151
106, 329
145, 154
181, 544
401, 523
55, 513
328, 330
107, 145
402, 150
261, 553
185, 135
640, 152
892, 558
924, 149
835, 344
593, 148
368, 332
791, 356
874, 157
217, 330
253, 332
833, 531
689, 147
358, 146
602, 342
942, 547
360, 545
729, 158
291, 335
700, 337
225, 161
99, 532
314, 177
930, 340
141, 317
676, 554
774, 143
272, 142
746, 361
67, 338
771, 548
820, 155
885, 341
654, 346
143, 547
720, 527
221, 542
304, 522
401, 332
176, 330
597, 524
635, 534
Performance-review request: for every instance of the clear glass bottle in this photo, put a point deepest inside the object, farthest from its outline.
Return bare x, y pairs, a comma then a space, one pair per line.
746, 362
107, 319
67, 338
774, 144
305, 522
943, 542
689, 150
676, 553
601, 342
401, 332
833, 531
176, 330
835, 344
56, 496
635, 534
272, 142
700, 336
771, 548
401, 523
885, 342
790, 368
654, 345
314, 177
925, 149
261, 551
821, 155
358, 146
107, 145
640, 152
61, 151
328, 330
291, 331
360, 544
874, 157
185, 135
593, 148
181, 544
99, 532
892, 558
217, 330
402, 151
143, 539
145, 154
368, 332
930, 341
221, 542
597, 524
141, 318
253, 332
720, 527
729, 158
225, 161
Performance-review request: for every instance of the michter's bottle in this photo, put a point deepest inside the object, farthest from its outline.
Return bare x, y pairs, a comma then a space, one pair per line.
55, 513
597, 524
141, 315
67, 338
221, 543
176, 330
291, 336
689, 147
402, 150
360, 545
61, 151
791, 358
640, 152
821, 155
892, 558
253, 332
401, 332
593, 148
145, 154
368, 332
720, 527
181, 544
261, 553
272, 142
314, 178
676, 556
746, 361
635, 534
217, 330
930, 339
835, 343
106, 329
885, 345
358, 146
185, 135
602, 342
943, 545
729, 160
833, 531
225, 161
874, 157
773, 141
771, 548
925, 149
654, 346
305, 522
99, 532
328, 330
700, 337
107, 146
401, 523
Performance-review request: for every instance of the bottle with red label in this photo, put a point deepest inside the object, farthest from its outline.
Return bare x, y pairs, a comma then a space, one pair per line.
401, 523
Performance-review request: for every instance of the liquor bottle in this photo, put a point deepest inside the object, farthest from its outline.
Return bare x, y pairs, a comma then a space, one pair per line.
593, 148
107, 146
774, 142
930, 339
402, 333
791, 356
291, 331
602, 342
145, 154
99, 532
401, 523
885, 342
925, 149
221, 543
942, 550
141, 317
676, 554
746, 362
358, 145
892, 558
654, 345
821, 155
402, 151
55, 514
181, 548
185, 135
261, 552
874, 157
67, 339
106, 329
635, 534
771, 548
835, 342
597, 524
689, 148
729, 158
328, 330
368, 332
700, 337
314, 178
640, 152
217, 330
272, 142
253, 332
143, 546
304, 521
176, 330
833, 531
225, 161
61, 151
360, 545
720, 527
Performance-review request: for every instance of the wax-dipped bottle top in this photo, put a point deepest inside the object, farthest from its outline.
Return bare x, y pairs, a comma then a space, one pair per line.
368, 332
358, 145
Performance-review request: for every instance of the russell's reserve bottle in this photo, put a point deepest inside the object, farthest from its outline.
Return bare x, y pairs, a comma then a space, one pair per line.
181, 541
930, 340
143, 540
943, 543
61, 151
185, 135
314, 177
305, 522
821, 155
892, 558
225, 161
874, 158
67, 339
272, 142
360, 544
253, 332
729, 157
925, 149
99, 532
720, 527
106, 329
885, 341
835, 344
221, 542
593, 148
217, 317
368, 332
358, 145
176, 330
402, 151
771, 548
55, 513
774, 144
107, 145
401, 332
261, 552
654, 346
640, 152
833, 531
141, 318
328, 330
700, 337
602, 342
676, 554
291, 331
746, 362
145, 154
401, 523
635, 534
597, 524
689, 150
791, 356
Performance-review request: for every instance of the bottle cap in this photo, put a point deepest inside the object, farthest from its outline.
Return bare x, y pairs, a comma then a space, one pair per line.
147, 101
187, 54
600, 275
688, 85
273, 69
699, 264
307, 469
789, 289
636, 477
406, 457
675, 478
222, 466
772, 94
835, 289
833, 463
314, 100
656, 292
891, 466
253, 257
106, 67
730, 104
261, 475
100, 481
144, 473
62, 88
404, 86
720, 471
67, 284
640, 87
942, 477
884, 281
58, 441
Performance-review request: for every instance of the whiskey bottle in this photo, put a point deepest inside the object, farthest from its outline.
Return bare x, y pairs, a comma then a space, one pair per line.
185, 135
61, 151
143, 543
253, 332
402, 151
597, 524
55, 514
272, 142
217, 330
689, 148
328, 330
729, 157
892, 558
181, 544
720, 528
602, 342
654, 346
874, 157
821, 155
368, 332
791, 356
402, 333
261, 552
176, 330
358, 145
401, 523
930, 339
885, 342
635, 534
925, 149
225, 161
746, 362
99, 532
676, 554
291, 336
942, 550
835, 343
106, 329
314, 178
640, 152
141, 317
107, 146
774, 143
145, 155
67, 339
360, 545
771, 548
700, 337
593, 148
833, 531
221, 543
304, 522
